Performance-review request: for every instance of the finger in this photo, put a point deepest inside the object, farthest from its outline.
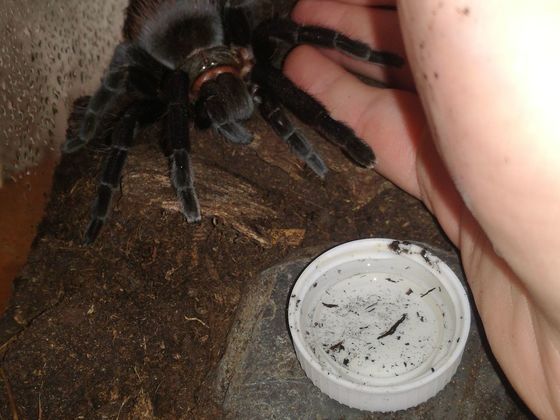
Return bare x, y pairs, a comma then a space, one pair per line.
376, 27
391, 122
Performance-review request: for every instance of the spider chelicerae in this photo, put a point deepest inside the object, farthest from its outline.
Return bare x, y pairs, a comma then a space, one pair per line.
213, 62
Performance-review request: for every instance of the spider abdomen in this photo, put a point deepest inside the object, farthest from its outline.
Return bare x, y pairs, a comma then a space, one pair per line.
177, 29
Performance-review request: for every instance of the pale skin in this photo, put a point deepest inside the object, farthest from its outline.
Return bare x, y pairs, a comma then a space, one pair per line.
472, 129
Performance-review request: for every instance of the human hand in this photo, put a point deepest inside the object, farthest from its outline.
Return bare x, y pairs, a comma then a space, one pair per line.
476, 139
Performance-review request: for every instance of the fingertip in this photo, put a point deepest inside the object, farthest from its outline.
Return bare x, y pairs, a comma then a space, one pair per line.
389, 121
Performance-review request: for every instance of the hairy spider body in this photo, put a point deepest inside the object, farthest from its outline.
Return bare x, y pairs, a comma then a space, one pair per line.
213, 62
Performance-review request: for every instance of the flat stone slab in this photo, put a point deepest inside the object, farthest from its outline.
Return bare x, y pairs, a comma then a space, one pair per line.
260, 377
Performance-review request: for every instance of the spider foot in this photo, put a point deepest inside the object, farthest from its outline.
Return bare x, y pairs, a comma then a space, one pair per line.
99, 212
189, 205
92, 231
276, 117
234, 132
182, 179
343, 136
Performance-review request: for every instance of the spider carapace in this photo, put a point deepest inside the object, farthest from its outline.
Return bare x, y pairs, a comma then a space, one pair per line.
213, 62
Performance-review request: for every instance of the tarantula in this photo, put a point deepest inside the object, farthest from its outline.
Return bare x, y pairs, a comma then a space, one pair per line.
212, 62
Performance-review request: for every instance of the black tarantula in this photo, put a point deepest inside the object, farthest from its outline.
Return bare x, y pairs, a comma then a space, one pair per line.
213, 62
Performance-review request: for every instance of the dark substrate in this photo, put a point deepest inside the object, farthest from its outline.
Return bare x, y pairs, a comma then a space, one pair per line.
134, 325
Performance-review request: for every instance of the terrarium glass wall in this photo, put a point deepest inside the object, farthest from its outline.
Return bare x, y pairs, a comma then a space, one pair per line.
51, 53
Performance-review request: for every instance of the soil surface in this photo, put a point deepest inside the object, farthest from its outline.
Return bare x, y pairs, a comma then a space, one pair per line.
134, 325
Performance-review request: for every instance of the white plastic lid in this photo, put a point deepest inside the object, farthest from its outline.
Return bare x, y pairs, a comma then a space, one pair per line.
378, 324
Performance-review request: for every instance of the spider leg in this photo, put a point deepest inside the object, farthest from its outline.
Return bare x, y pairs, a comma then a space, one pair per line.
132, 75
233, 131
313, 113
111, 86
224, 102
274, 114
122, 138
271, 38
178, 141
